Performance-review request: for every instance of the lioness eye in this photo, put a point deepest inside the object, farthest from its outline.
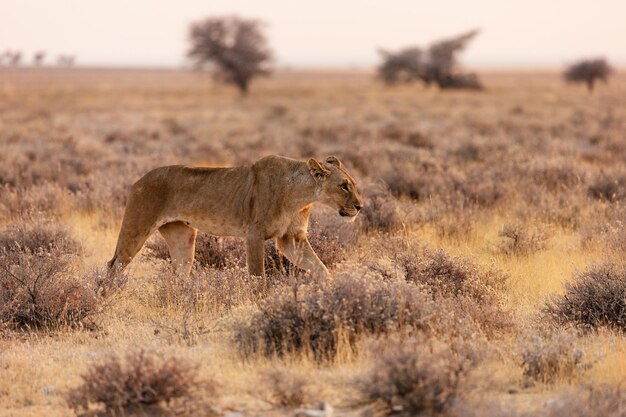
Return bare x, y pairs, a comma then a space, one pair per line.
344, 186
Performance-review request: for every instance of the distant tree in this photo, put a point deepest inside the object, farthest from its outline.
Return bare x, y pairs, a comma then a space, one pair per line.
235, 47
404, 66
66, 61
13, 58
38, 58
438, 64
588, 71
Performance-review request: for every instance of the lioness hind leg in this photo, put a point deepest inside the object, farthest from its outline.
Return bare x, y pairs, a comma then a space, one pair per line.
181, 241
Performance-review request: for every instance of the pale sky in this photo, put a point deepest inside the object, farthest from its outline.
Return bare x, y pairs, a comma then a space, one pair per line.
335, 33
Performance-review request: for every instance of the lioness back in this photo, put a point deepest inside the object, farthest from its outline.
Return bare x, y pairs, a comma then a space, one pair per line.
209, 199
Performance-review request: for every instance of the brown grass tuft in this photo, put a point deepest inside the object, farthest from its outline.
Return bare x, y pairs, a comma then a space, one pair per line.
551, 357
22, 237
596, 297
142, 381
520, 241
417, 376
41, 290
286, 387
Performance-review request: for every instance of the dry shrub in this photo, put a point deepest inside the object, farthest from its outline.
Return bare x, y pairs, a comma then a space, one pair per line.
409, 171
551, 357
520, 241
285, 387
590, 400
410, 182
478, 188
205, 290
561, 209
38, 236
471, 292
49, 199
142, 381
608, 187
381, 212
417, 376
40, 290
322, 319
588, 71
596, 297
329, 236
448, 276
211, 251
410, 137
556, 176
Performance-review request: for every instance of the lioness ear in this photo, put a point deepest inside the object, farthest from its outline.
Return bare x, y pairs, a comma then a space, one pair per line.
334, 161
316, 169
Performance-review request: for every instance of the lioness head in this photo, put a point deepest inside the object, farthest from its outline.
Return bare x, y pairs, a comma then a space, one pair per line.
336, 187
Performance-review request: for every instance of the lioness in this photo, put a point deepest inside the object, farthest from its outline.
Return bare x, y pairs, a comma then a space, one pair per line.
270, 199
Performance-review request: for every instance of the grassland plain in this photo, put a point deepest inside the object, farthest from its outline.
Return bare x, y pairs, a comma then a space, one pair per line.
483, 210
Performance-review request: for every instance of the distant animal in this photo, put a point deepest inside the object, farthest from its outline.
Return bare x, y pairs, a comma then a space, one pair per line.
270, 199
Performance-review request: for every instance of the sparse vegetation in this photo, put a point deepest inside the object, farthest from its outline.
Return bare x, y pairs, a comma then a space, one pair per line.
478, 211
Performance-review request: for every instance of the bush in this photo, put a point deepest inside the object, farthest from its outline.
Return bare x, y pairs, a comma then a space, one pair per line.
329, 236
285, 388
322, 320
471, 293
552, 357
418, 177
450, 277
141, 380
211, 251
206, 290
520, 241
596, 297
470, 188
417, 376
39, 290
588, 71
381, 211
37, 237
608, 187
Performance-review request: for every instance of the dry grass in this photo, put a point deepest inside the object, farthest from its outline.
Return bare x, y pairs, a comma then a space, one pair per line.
480, 210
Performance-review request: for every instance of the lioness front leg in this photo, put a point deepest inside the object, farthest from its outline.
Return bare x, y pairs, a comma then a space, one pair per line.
299, 251
255, 247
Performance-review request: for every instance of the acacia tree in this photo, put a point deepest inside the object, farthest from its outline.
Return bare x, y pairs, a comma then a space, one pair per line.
588, 71
38, 58
235, 47
437, 64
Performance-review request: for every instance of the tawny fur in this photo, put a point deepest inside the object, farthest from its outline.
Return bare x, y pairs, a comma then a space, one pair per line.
270, 199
